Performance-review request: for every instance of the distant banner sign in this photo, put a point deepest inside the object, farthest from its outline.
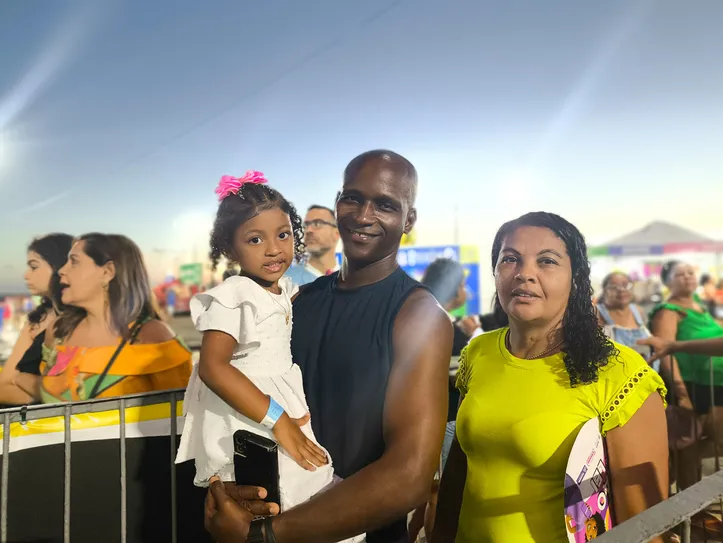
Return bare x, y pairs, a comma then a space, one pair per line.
191, 274
655, 250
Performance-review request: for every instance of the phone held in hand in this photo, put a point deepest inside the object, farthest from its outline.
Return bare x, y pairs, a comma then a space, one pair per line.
256, 463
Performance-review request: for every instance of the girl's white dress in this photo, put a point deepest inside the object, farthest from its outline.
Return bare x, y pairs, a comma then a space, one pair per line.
257, 320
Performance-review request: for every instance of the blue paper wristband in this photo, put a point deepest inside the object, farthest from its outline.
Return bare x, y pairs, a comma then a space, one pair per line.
272, 415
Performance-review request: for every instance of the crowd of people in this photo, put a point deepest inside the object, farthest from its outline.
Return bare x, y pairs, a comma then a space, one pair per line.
347, 368
97, 332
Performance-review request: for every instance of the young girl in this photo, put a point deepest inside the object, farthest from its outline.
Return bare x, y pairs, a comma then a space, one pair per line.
245, 378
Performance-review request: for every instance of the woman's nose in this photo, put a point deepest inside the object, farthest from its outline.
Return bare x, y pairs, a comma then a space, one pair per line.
525, 273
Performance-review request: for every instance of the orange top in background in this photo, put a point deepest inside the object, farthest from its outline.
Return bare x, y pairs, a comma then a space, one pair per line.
70, 373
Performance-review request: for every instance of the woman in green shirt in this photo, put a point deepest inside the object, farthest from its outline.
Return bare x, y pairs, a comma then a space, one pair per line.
683, 318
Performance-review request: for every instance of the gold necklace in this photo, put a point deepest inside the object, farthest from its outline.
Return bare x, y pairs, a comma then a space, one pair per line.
541, 355
286, 311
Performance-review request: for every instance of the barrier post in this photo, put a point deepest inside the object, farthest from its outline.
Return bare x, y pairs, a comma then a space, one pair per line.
5, 473
123, 474
66, 492
686, 531
174, 431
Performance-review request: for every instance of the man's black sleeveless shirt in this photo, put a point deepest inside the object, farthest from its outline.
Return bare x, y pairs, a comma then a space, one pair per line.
342, 340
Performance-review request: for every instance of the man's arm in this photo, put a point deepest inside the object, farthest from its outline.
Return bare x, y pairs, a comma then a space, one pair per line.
415, 412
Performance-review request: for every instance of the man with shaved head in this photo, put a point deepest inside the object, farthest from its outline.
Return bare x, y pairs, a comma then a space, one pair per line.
374, 349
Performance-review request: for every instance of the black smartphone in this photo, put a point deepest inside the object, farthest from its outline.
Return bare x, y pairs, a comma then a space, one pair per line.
256, 463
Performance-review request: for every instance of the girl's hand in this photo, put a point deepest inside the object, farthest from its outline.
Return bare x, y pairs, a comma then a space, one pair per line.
305, 452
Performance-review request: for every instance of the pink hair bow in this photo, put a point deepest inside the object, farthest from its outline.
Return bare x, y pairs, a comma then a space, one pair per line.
231, 185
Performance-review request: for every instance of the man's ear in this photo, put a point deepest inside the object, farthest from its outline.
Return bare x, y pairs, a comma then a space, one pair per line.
411, 220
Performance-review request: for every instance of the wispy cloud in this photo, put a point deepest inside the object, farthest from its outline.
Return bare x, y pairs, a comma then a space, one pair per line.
60, 49
41, 204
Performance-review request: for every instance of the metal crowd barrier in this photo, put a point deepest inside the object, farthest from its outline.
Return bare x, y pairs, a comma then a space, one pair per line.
669, 514
681, 507
11, 418
659, 519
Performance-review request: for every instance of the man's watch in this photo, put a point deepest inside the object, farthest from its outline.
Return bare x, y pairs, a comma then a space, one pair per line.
256, 532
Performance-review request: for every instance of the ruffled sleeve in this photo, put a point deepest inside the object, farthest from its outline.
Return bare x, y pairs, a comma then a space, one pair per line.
289, 286
625, 384
231, 308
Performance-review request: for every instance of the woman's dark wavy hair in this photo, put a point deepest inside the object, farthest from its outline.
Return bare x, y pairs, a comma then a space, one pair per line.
586, 347
130, 298
54, 249
236, 209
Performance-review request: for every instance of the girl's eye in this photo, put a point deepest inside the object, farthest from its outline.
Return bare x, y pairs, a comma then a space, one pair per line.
255, 241
508, 259
284, 235
548, 262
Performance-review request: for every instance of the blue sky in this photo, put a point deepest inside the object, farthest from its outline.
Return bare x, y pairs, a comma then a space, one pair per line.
122, 115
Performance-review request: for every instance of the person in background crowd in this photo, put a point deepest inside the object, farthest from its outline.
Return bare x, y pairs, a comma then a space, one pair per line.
321, 237
682, 318
171, 297
374, 348
708, 295
622, 320
445, 279
46, 255
528, 388
111, 342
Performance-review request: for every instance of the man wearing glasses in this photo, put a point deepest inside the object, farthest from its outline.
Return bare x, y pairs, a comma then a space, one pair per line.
321, 237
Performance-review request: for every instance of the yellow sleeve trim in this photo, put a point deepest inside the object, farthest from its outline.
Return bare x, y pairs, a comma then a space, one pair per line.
462, 381
630, 397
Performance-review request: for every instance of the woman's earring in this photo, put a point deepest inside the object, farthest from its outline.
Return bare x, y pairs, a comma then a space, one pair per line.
106, 301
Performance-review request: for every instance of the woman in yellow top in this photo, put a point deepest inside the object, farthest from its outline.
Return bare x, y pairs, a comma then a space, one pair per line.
110, 342
527, 389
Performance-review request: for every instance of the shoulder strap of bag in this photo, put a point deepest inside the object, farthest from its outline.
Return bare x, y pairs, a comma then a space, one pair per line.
129, 339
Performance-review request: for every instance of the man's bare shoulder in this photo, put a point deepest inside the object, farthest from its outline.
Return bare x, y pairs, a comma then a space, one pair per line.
422, 312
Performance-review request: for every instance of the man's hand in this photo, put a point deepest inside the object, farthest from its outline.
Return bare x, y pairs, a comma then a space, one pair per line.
230, 510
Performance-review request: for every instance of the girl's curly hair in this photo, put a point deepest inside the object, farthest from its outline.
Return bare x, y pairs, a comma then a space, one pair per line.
236, 209
586, 347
